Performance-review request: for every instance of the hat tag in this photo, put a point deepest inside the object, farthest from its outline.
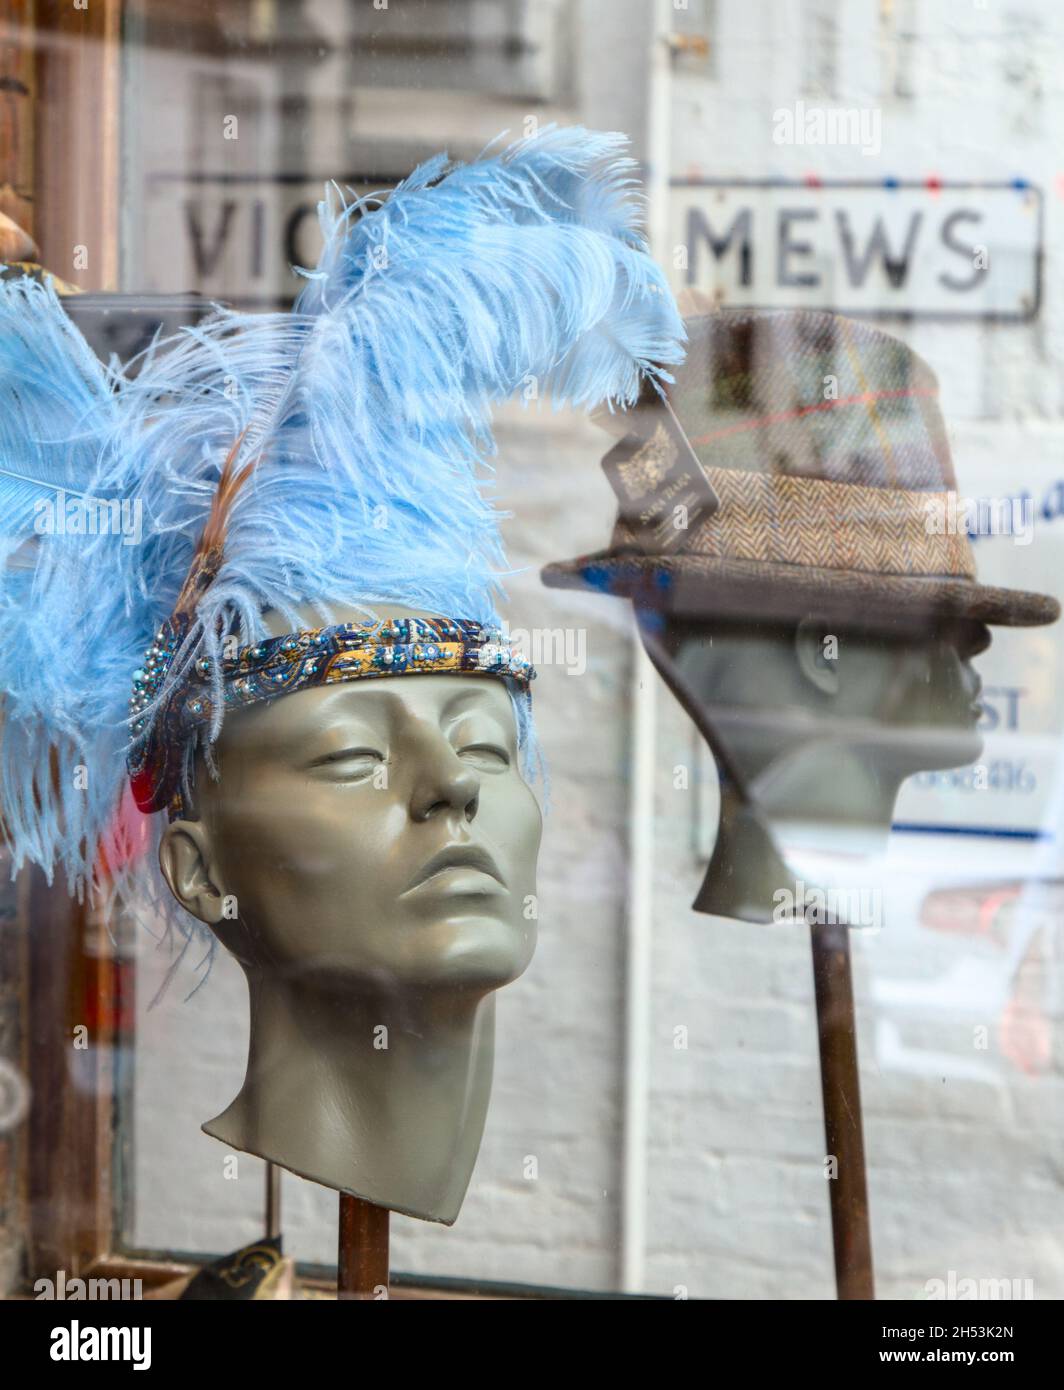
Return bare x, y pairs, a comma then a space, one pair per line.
662, 489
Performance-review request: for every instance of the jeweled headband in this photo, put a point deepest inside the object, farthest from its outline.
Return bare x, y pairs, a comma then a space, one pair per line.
283, 665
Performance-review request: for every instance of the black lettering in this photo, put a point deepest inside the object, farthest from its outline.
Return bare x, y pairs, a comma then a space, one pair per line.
698, 229
258, 219
292, 228
953, 282
206, 258
785, 248
896, 269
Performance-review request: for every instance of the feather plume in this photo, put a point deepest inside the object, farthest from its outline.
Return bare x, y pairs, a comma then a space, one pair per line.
57, 404
337, 454
56, 400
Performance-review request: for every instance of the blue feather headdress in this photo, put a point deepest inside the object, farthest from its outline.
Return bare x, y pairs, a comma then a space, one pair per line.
332, 455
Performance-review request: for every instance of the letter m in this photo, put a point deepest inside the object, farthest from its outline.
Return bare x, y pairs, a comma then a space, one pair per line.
699, 231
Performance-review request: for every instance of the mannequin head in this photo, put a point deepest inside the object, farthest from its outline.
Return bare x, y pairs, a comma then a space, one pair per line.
326, 830
786, 701
368, 855
815, 722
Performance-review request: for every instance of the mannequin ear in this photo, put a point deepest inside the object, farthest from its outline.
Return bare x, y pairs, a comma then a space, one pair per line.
817, 650
188, 867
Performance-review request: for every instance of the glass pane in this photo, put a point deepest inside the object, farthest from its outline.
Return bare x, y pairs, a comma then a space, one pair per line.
793, 1017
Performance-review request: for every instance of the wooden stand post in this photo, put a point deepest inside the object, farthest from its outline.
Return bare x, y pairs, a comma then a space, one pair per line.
840, 1085
273, 1200
363, 1250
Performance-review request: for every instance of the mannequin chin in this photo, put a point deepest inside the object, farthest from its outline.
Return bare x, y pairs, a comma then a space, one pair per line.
819, 725
368, 855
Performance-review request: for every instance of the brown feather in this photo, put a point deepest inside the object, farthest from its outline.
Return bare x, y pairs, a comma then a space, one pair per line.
210, 551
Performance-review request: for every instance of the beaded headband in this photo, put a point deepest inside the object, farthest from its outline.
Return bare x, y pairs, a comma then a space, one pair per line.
283, 665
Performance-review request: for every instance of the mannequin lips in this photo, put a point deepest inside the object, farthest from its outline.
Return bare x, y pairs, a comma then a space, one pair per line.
456, 857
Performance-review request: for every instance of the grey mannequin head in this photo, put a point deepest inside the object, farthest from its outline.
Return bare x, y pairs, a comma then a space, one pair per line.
368, 855
891, 700
376, 833
815, 720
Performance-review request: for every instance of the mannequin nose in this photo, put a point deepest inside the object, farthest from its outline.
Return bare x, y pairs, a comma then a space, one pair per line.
444, 784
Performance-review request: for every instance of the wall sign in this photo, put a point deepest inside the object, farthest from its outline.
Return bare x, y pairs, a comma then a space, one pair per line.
236, 238
943, 250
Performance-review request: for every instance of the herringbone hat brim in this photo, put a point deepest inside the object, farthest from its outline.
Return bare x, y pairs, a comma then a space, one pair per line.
761, 591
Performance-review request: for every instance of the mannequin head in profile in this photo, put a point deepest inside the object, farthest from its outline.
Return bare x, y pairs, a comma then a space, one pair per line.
852, 711
817, 722
368, 855
788, 532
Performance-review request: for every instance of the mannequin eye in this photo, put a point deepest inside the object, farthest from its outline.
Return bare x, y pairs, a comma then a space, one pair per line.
349, 764
490, 756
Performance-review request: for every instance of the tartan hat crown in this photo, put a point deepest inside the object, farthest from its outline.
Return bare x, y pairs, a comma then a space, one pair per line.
812, 395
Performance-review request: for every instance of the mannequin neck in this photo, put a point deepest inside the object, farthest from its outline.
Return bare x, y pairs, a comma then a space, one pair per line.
374, 1093
803, 804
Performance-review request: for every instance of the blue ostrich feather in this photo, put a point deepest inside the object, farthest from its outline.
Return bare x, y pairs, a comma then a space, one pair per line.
56, 396
366, 413
56, 404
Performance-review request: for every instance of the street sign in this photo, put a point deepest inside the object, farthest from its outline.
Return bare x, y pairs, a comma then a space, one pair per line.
237, 239
942, 250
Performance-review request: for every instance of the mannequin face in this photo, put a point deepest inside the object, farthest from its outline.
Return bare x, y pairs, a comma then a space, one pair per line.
830, 726
375, 832
863, 688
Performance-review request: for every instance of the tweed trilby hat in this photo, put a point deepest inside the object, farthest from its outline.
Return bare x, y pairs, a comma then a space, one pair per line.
799, 464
